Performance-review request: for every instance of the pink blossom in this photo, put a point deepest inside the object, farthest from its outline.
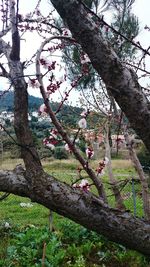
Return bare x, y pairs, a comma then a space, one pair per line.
42, 109
49, 143
66, 32
106, 160
101, 172
85, 59
54, 133
67, 148
84, 185
82, 123
51, 146
33, 83
102, 164
89, 152
45, 62
83, 114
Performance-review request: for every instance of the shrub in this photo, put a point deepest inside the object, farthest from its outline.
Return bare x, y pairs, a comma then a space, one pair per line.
60, 153
144, 157
45, 152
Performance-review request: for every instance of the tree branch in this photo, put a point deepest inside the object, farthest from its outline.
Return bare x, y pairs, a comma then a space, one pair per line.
59, 127
15, 51
120, 80
4, 48
81, 207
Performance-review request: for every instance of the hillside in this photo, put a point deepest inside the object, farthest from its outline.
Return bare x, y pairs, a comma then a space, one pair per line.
7, 100
68, 114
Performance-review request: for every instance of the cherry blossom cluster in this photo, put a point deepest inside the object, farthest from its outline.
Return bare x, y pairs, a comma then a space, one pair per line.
56, 47
34, 83
84, 185
102, 165
53, 87
47, 64
74, 83
30, 27
89, 152
52, 140
44, 24
66, 93
66, 32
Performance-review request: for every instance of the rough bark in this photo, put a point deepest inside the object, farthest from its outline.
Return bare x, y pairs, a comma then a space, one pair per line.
23, 133
83, 208
120, 80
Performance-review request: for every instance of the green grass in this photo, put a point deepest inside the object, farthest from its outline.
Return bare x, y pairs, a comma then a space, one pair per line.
9, 164
11, 210
66, 171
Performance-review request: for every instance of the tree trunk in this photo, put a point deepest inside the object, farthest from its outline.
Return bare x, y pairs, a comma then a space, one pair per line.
120, 80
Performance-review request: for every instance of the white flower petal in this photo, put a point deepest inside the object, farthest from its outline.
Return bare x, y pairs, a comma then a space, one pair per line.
82, 123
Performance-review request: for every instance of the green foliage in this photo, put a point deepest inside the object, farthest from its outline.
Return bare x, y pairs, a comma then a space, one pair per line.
88, 3
68, 114
69, 245
128, 25
26, 248
10, 146
82, 144
60, 153
124, 21
45, 153
144, 157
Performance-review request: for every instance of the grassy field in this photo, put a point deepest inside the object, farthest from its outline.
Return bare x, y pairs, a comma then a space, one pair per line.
66, 171
29, 227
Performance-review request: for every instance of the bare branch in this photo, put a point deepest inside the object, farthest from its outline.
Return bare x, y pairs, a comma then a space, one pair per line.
58, 126
15, 51
5, 48
4, 73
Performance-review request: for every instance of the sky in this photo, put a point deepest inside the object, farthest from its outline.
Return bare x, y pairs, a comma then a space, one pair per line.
140, 9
